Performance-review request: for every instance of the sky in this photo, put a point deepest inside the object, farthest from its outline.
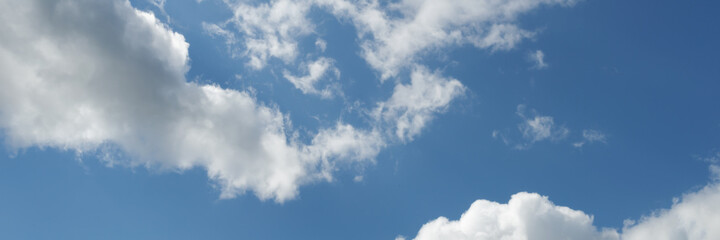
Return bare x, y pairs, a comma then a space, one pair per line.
359, 119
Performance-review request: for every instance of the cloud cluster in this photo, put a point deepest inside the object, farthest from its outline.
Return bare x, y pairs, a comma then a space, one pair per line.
392, 36
535, 127
101, 77
532, 216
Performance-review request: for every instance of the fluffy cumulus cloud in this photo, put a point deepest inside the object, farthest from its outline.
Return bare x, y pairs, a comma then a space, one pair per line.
695, 216
531, 216
102, 77
525, 216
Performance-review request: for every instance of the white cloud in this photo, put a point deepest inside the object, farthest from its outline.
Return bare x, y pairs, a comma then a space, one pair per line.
316, 70
267, 30
102, 77
158, 3
358, 178
215, 30
413, 105
393, 38
321, 44
342, 144
525, 216
532, 216
591, 136
537, 128
696, 216
538, 58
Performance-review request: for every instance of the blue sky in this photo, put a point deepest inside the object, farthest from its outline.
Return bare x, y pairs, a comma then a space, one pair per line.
114, 128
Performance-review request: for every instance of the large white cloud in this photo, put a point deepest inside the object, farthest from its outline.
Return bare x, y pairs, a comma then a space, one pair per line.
695, 216
532, 216
525, 216
91, 76
101, 77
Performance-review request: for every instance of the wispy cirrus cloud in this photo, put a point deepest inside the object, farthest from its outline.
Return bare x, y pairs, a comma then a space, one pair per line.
538, 59
535, 127
532, 128
591, 136
322, 68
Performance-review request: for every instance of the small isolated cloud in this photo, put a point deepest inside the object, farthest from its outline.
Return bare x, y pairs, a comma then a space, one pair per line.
531, 216
533, 128
590, 136
413, 105
538, 128
315, 70
538, 58
321, 44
